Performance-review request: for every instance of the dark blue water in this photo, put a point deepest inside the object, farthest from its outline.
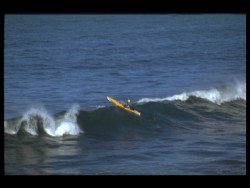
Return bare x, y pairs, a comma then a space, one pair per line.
184, 73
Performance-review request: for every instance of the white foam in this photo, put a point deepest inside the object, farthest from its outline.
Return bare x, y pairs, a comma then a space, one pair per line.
214, 95
72, 113
145, 100
67, 127
99, 106
10, 129
36, 118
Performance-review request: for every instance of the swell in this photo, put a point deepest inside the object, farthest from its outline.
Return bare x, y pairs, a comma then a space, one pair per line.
187, 115
197, 111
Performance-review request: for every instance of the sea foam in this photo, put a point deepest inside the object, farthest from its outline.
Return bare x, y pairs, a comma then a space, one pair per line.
218, 96
37, 119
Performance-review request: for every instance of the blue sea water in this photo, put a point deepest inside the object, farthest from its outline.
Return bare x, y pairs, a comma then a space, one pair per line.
185, 73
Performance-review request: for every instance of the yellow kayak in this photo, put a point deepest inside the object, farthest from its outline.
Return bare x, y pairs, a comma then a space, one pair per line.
122, 105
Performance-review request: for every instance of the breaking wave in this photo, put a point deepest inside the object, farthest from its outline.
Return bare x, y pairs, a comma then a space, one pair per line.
186, 110
215, 95
37, 121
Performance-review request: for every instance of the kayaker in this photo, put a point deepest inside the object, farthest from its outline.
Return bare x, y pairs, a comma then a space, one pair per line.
128, 104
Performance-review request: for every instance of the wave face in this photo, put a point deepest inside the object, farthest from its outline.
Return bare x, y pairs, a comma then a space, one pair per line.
37, 121
193, 114
215, 95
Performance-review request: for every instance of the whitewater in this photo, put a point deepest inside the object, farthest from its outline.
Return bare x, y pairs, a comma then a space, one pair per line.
218, 96
37, 119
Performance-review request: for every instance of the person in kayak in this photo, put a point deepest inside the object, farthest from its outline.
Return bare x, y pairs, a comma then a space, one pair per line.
128, 104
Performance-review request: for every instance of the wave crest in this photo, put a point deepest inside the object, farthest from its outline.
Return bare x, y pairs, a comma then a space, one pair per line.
214, 95
37, 121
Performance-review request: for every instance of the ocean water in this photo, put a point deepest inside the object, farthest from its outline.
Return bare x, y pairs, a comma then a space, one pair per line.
185, 73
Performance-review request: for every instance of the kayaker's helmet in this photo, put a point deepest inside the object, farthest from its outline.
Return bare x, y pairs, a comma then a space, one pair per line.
128, 100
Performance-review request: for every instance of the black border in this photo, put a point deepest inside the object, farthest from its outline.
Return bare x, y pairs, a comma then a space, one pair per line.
125, 6
128, 7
